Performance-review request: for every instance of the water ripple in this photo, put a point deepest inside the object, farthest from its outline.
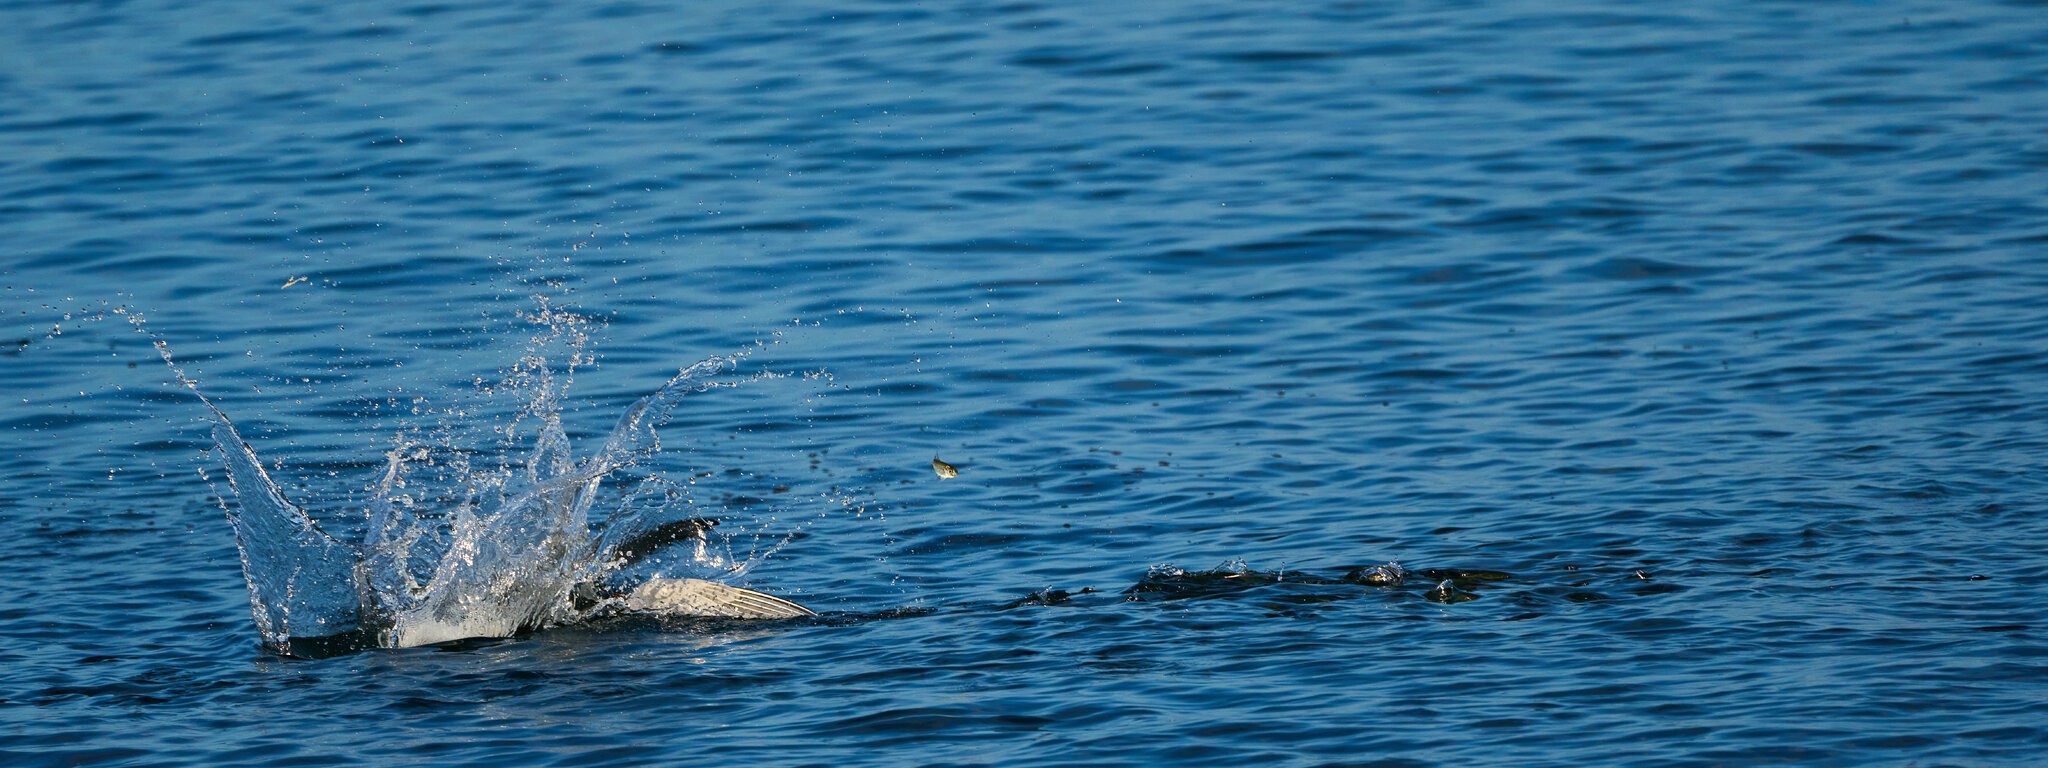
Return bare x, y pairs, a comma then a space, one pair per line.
1718, 330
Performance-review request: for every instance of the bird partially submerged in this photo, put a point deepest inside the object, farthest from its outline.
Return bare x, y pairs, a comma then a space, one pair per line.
511, 600
514, 554
697, 597
680, 596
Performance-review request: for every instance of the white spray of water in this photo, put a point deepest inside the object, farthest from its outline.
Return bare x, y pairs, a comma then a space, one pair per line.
504, 556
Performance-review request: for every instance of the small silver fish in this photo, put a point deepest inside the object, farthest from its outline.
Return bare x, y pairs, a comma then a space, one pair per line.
944, 470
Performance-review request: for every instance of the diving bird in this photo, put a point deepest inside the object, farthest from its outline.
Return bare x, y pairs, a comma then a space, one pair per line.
682, 597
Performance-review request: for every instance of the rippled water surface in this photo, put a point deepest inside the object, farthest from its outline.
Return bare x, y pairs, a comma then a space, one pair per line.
1691, 360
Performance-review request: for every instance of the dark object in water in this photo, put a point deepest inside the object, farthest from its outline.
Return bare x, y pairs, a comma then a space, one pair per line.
1388, 575
1447, 591
1165, 582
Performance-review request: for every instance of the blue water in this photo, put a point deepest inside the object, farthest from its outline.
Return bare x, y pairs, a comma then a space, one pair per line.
1693, 360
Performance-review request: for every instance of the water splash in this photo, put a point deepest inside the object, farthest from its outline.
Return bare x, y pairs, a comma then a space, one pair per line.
499, 550
511, 563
